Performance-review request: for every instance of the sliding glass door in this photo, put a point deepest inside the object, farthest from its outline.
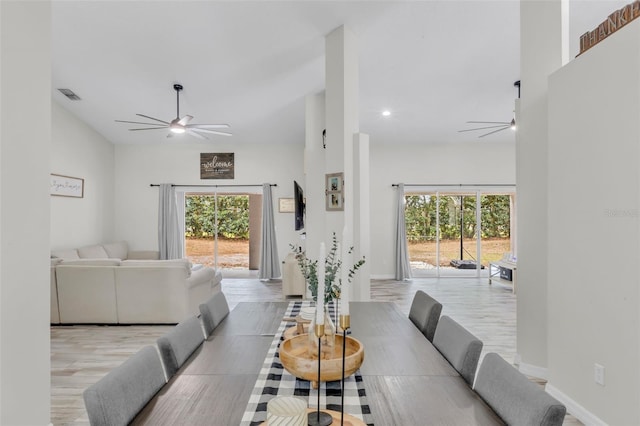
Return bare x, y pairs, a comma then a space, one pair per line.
223, 230
457, 233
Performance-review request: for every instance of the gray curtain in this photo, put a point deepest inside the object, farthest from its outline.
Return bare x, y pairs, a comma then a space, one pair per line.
169, 242
403, 268
269, 261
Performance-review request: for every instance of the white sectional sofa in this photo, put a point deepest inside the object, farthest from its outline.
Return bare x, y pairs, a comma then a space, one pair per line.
107, 284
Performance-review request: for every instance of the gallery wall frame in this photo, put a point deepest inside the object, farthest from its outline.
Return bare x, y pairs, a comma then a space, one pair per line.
334, 191
66, 186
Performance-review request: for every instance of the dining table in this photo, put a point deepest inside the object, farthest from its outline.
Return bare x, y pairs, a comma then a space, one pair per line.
404, 378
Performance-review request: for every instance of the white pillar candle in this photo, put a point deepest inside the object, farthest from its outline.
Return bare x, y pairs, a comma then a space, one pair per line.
320, 292
344, 273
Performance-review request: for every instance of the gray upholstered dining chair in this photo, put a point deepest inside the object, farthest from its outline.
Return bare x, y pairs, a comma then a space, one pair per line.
516, 399
213, 312
120, 395
424, 313
179, 343
461, 348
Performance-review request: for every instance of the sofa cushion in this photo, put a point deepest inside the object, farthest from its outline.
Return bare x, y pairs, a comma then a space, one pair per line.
171, 263
65, 254
92, 252
92, 262
118, 250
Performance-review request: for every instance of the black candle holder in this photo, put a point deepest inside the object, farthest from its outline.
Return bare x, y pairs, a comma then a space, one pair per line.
345, 323
319, 418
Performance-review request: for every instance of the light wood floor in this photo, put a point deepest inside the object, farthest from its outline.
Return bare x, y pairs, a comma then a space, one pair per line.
81, 355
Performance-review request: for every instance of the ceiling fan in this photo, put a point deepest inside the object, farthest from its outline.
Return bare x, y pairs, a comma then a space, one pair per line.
179, 125
495, 126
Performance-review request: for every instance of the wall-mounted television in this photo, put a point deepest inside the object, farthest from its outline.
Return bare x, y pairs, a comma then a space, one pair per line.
298, 199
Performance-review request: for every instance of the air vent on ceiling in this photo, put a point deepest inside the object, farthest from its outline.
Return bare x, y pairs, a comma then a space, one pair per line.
69, 94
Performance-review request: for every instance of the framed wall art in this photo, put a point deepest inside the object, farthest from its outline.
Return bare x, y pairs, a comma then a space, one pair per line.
286, 205
66, 186
334, 191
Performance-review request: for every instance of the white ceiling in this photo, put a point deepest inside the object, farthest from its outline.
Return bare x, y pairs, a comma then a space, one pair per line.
434, 64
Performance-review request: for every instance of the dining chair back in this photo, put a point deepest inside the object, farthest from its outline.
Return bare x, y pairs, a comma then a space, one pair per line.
120, 395
515, 398
424, 313
213, 312
461, 348
179, 343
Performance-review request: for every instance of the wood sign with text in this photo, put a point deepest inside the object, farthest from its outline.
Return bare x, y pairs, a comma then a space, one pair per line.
217, 165
613, 23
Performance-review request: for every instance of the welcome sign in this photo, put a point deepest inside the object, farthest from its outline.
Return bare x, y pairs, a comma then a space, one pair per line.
219, 165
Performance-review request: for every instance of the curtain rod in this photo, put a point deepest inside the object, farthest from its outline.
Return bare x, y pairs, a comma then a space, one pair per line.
214, 186
457, 184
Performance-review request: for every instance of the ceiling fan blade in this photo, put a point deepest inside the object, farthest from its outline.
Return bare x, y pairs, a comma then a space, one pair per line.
208, 126
495, 131
154, 119
197, 135
489, 122
481, 128
137, 122
215, 132
149, 128
184, 120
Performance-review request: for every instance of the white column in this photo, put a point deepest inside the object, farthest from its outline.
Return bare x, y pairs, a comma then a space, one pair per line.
541, 54
341, 75
25, 139
362, 215
313, 184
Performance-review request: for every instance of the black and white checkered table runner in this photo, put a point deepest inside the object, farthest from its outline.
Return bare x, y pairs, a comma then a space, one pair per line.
274, 380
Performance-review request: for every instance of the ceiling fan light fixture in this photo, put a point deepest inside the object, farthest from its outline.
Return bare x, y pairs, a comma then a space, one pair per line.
176, 127
513, 124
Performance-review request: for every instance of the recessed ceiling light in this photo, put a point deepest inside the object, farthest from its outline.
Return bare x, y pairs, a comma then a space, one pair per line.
386, 113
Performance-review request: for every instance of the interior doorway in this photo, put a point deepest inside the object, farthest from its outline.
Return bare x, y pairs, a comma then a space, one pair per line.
222, 230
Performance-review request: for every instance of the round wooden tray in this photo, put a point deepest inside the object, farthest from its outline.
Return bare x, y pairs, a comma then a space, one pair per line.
295, 358
349, 420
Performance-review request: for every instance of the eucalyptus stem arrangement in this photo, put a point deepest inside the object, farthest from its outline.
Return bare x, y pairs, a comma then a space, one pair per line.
332, 267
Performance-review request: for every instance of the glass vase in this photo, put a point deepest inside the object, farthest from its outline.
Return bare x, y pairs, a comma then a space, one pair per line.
327, 341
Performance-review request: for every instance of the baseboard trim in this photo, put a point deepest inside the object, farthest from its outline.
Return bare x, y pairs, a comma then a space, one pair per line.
575, 409
382, 277
530, 369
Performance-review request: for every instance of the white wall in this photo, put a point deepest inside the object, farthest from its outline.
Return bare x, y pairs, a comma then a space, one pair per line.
471, 163
594, 189
540, 55
136, 207
25, 135
79, 151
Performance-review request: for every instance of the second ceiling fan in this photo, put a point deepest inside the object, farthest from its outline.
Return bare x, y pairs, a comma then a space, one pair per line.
179, 124
494, 126
497, 125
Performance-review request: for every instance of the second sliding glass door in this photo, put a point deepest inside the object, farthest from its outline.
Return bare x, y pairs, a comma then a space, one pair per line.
448, 232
